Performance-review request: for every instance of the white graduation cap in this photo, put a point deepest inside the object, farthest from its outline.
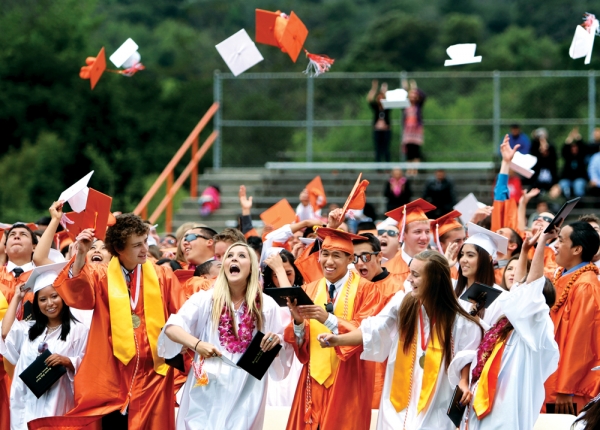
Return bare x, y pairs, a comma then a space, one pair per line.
56, 256
307, 240
126, 56
583, 42
467, 207
486, 239
463, 53
77, 193
523, 164
43, 276
239, 52
386, 222
395, 99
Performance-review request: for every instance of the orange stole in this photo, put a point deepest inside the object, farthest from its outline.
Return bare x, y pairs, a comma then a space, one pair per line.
486, 390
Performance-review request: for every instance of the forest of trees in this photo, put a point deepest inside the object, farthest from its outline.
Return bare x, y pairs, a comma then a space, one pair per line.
55, 129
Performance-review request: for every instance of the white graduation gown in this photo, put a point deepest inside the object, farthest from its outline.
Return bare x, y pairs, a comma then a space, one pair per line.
21, 352
380, 341
529, 358
281, 393
233, 399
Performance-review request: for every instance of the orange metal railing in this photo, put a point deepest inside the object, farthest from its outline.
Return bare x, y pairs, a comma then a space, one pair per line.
168, 175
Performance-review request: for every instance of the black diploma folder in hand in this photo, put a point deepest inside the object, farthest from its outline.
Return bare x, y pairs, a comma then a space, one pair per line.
481, 294
456, 410
280, 294
255, 361
38, 377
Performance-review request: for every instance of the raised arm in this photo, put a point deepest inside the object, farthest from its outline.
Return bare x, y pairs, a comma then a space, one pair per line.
9, 317
521, 271
522, 209
537, 264
42, 249
372, 91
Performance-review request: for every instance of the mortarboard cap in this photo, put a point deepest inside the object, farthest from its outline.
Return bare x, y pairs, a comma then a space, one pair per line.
126, 55
265, 27
316, 193
467, 207
463, 53
277, 29
96, 215
444, 224
278, 215
486, 239
583, 39
523, 164
357, 197
43, 276
94, 69
77, 194
62, 239
239, 52
410, 212
337, 240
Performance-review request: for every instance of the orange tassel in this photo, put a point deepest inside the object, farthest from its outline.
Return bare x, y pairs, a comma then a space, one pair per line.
318, 64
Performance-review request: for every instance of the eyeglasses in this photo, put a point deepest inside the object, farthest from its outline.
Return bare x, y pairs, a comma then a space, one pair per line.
365, 257
544, 218
193, 236
390, 233
168, 241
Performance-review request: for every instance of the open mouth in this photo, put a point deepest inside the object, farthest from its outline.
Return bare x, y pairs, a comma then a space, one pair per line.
383, 242
234, 269
51, 310
363, 272
97, 258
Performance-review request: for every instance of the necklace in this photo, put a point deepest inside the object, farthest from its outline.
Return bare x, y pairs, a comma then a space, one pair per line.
490, 338
227, 337
591, 267
424, 341
52, 329
237, 304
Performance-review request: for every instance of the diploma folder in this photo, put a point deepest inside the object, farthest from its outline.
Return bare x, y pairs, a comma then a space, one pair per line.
480, 293
280, 295
38, 377
255, 361
456, 410
562, 214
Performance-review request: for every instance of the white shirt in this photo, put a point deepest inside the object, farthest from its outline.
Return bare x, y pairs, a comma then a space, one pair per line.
10, 266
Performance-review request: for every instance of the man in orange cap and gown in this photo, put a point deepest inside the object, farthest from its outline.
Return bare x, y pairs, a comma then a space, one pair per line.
449, 236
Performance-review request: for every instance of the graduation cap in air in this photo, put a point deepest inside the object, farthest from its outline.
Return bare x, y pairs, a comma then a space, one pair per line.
96, 215
396, 99
316, 193
239, 52
278, 215
444, 224
410, 212
95, 67
523, 164
486, 239
463, 53
583, 39
357, 197
127, 57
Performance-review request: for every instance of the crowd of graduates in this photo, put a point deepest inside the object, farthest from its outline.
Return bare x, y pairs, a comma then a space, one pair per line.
148, 329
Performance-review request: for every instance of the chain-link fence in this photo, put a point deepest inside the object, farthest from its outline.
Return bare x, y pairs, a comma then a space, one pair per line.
289, 117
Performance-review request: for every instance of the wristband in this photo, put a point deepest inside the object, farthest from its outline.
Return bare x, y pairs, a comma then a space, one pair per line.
196, 345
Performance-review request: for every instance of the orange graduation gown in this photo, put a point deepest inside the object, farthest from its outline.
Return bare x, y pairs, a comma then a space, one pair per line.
103, 382
550, 265
577, 332
397, 266
346, 404
308, 265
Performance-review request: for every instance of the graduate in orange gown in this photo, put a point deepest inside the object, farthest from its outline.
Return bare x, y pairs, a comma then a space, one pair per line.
122, 373
449, 236
335, 389
576, 318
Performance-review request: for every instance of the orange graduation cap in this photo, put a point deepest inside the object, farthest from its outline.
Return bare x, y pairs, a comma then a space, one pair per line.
277, 29
96, 215
62, 239
94, 69
444, 224
338, 240
411, 212
278, 215
316, 193
357, 198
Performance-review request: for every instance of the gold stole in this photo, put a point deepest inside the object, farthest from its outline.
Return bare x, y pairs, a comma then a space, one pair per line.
3, 305
486, 390
324, 361
121, 325
403, 373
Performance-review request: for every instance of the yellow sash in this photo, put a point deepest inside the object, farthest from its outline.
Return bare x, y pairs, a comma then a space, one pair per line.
486, 389
3, 305
324, 361
403, 369
121, 325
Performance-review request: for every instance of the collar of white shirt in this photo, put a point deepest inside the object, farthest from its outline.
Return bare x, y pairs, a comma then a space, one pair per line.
407, 258
339, 284
10, 266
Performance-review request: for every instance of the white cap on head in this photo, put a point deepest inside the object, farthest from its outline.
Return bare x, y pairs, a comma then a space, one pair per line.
388, 221
43, 276
486, 239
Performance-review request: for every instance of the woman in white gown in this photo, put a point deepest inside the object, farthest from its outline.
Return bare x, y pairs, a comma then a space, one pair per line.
419, 333
52, 327
217, 395
516, 355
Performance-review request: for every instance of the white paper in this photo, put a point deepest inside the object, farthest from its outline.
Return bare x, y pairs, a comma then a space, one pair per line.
239, 52
523, 164
395, 99
463, 53
125, 51
307, 240
77, 193
467, 207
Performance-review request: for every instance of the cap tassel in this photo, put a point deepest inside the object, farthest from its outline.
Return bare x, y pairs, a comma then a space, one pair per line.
403, 224
132, 70
317, 64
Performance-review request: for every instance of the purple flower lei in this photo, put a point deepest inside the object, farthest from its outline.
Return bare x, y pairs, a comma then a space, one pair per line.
227, 337
490, 338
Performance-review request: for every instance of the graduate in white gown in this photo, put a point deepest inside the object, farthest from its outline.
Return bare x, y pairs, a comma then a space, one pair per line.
434, 328
516, 355
475, 265
217, 395
52, 327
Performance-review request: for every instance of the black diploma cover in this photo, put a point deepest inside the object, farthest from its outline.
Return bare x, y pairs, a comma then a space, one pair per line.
280, 294
255, 361
38, 377
176, 362
455, 410
481, 293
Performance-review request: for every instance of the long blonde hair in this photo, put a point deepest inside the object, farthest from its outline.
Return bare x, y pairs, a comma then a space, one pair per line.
222, 294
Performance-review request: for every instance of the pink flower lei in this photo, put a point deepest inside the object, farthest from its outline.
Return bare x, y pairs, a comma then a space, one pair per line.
227, 337
490, 338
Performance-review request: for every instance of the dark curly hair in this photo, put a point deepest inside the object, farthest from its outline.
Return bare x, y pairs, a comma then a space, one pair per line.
126, 226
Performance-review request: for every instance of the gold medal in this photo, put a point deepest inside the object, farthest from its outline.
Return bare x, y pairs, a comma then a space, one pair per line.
422, 361
136, 320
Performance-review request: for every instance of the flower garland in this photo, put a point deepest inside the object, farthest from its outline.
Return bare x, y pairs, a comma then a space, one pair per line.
227, 337
591, 267
490, 338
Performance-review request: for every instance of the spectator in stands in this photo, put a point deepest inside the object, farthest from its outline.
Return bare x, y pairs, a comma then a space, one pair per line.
412, 124
574, 175
439, 191
210, 200
382, 133
594, 174
593, 147
545, 169
517, 137
397, 190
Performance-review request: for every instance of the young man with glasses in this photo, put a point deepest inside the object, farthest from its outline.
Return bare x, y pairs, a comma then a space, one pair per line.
389, 237
198, 246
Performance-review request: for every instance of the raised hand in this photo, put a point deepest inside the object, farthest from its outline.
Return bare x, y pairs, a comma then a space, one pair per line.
506, 151
245, 202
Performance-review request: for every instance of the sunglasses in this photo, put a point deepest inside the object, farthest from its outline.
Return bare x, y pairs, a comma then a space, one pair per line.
544, 218
169, 241
365, 257
193, 236
390, 233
